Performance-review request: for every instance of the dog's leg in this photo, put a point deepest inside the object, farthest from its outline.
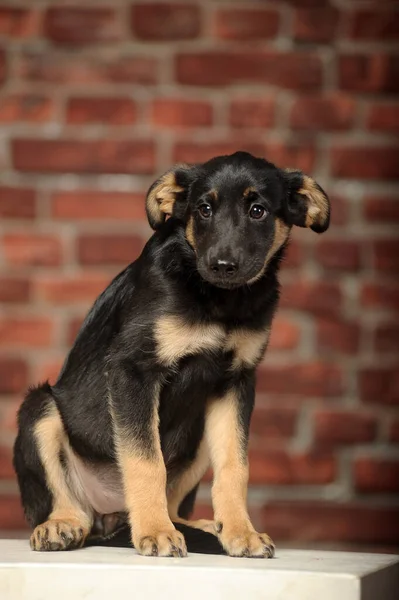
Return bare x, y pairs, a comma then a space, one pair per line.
184, 483
69, 521
142, 466
226, 426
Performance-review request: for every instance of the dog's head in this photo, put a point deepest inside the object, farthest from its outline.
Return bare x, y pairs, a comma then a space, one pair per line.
238, 211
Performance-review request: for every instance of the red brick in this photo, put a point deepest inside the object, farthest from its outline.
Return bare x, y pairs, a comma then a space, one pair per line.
335, 428
316, 297
374, 25
368, 73
315, 24
393, 435
33, 332
87, 205
88, 156
247, 112
281, 468
383, 117
178, 113
386, 255
270, 422
3, 66
25, 108
331, 522
360, 162
386, 338
6, 467
295, 255
197, 152
74, 326
165, 22
339, 210
14, 289
379, 385
339, 336
295, 155
79, 26
9, 410
17, 203
64, 289
284, 335
56, 67
381, 210
313, 379
343, 255
291, 70
13, 375
48, 370
11, 513
108, 249
18, 22
32, 249
202, 511
380, 296
330, 112
374, 475
113, 111
305, 3
242, 24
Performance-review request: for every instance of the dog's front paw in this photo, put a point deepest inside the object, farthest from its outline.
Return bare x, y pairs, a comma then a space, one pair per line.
57, 534
161, 543
247, 543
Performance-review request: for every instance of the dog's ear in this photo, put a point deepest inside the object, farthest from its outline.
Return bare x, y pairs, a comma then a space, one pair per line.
306, 203
168, 194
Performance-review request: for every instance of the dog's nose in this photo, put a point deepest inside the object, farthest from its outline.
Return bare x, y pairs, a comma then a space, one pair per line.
224, 267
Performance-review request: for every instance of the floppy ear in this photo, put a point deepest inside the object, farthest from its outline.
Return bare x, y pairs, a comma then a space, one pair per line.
307, 205
168, 194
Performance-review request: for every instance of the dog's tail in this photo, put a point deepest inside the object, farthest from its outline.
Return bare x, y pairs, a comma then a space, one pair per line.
197, 541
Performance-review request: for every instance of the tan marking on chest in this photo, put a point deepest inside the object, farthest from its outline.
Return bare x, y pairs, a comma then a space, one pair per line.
248, 346
176, 338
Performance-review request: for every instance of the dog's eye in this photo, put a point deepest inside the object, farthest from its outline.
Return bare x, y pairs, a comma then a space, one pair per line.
257, 211
205, 210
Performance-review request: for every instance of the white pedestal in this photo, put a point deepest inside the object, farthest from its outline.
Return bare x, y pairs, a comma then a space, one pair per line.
114, 573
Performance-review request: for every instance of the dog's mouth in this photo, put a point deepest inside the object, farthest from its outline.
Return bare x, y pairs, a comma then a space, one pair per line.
229, 282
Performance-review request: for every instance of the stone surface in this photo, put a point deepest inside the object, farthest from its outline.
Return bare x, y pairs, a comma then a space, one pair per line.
101, 573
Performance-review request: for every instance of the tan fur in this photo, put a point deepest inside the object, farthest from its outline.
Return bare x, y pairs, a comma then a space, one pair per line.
144, 482
190, 233
58, 534
70, 516
229, 491
281, 233
318, 205
227, 456
162, 197
248, 346
248, 191
214, 195
176, 338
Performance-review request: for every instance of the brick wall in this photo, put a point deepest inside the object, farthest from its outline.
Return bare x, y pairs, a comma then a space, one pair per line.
97, 98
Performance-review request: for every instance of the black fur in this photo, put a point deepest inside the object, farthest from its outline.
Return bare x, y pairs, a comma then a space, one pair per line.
115, 351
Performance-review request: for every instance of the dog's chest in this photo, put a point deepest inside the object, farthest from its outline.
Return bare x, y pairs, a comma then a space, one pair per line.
177, 339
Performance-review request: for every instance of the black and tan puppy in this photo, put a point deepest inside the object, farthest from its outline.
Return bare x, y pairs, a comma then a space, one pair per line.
161, 378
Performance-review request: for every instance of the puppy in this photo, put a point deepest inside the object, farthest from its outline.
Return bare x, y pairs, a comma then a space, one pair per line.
160, 382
